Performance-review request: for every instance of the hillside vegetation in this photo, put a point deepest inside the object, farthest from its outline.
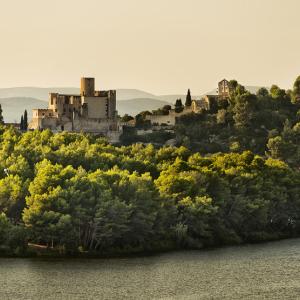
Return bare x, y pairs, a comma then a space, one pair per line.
76, 194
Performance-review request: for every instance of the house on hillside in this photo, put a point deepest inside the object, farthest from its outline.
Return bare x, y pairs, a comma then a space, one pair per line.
206, 102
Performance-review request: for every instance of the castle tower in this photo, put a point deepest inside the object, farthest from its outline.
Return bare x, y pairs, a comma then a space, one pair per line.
224, 89
87, 87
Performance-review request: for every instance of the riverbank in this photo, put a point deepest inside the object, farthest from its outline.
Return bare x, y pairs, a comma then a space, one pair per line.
262, 271
43, 252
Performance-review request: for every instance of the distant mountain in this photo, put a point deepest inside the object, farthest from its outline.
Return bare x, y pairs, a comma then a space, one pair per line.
14, 107
135, 106
35, 92
42, 93
128, 94
172, 98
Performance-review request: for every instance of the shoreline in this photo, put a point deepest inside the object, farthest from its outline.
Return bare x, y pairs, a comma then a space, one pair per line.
141, 254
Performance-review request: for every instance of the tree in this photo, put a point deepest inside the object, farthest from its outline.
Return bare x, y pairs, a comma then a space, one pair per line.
22, 123
296, 91
244, 110
1, 115
188, 101
276, 92
178, 106
166, 109
262, 92
127, 118
25, 121
12, 196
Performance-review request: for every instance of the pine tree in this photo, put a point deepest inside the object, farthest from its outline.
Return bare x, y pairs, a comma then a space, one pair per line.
25, 120
22, 123
1, 115
188, 101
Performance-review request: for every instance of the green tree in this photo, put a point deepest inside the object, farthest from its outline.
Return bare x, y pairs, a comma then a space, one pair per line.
277, 92
22, 123
127, 118
188, 101
1, 115
296, 91
244, 110
25, 121
178, 106
262, 92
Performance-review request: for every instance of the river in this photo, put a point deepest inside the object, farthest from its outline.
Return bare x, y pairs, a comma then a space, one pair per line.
264, 271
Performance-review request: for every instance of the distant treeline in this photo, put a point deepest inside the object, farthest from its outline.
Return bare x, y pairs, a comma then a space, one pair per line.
77, 194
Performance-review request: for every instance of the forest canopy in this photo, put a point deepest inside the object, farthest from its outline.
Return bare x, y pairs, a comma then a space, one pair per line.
75, 193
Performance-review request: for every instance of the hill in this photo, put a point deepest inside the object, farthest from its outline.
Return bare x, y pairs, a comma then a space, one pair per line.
134, 106
14, 107
129, 94
34, 92
42, 93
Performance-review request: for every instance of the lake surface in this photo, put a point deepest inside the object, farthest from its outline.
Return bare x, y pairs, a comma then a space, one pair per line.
265, 271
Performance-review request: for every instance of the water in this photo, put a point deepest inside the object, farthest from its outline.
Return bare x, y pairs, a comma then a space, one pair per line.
265, 271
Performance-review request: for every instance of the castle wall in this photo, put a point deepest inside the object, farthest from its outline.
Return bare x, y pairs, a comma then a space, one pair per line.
162, 119
112, 104
94, 126
97, 107
43, 118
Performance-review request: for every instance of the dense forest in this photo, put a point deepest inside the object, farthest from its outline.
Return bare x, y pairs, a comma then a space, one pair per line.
234, 179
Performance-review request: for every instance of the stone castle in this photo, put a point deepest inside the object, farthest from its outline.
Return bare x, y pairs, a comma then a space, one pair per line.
91, 111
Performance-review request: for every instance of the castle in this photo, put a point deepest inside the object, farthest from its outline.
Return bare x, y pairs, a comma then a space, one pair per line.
91, 111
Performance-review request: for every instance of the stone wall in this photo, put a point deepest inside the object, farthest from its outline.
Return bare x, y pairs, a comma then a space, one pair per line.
97, 107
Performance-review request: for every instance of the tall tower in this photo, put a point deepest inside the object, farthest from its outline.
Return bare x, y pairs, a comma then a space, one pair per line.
224, 89
87, 87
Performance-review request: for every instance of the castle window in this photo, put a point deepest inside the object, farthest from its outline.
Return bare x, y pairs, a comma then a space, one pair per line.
51, 101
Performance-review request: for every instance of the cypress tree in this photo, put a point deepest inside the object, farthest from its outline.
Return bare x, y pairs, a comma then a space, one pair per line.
178, 106
188, 101
22, 123
1, 115
25, 120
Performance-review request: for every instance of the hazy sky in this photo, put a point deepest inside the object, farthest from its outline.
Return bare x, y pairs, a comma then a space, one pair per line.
161, 46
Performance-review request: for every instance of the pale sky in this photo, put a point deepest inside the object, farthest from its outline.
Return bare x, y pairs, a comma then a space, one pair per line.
160, 46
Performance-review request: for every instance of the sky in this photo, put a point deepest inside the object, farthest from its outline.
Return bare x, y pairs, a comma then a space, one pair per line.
160, 46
